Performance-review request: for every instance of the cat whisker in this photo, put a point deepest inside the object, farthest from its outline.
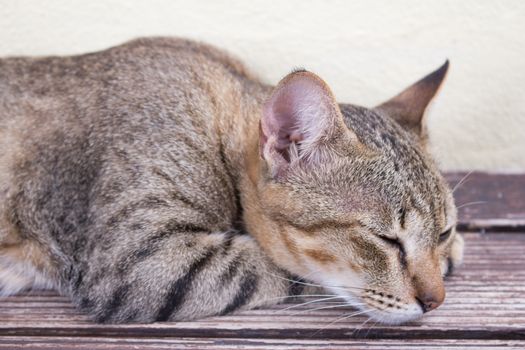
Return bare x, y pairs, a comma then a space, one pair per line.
300, 296
311, 273
358, 329
344, 317
372, 326
310, 302
333, 302
282, 299
326, 307
471, 203
306, 276
462, 181
380, 320
347, 288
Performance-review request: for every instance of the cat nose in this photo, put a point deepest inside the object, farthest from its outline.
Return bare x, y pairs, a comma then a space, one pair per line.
430, 300
429, 290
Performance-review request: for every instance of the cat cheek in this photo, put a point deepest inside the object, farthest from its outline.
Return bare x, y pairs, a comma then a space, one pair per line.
445, 266
320, 256
456, 250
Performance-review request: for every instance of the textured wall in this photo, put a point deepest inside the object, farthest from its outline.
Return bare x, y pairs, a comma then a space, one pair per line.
366, 50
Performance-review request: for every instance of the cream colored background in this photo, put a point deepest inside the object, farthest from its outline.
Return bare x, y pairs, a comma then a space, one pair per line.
366, 50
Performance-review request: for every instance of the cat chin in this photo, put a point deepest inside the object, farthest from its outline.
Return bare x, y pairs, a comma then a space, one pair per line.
396, 317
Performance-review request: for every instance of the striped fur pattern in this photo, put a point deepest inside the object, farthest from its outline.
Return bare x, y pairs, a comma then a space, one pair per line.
132, 179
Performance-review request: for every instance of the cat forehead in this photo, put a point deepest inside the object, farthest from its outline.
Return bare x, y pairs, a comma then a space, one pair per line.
376, 130
332, 199
371, 186
398, 152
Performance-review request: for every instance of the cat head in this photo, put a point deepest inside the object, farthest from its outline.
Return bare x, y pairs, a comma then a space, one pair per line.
349, 198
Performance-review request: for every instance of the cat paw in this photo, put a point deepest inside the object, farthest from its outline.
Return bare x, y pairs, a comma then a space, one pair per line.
455, 255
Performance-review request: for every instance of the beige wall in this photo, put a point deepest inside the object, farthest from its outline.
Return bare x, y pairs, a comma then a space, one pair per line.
366, 50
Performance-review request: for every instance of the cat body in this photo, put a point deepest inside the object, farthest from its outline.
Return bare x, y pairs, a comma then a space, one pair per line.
160, 180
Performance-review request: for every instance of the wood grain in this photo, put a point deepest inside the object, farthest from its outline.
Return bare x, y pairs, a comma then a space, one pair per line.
98, 343
488, 201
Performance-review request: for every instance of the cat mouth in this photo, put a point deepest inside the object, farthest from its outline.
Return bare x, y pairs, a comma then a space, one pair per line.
380, 306
391, 311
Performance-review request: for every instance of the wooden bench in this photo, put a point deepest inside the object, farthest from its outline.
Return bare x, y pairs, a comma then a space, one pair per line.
484, 308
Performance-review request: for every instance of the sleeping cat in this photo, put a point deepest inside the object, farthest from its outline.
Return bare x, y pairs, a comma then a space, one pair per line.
159, 180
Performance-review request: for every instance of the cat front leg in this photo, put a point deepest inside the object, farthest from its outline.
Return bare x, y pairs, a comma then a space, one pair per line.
180, 276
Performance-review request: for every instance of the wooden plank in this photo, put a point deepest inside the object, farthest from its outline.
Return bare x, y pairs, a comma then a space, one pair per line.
493, 202
98, 343
485, 301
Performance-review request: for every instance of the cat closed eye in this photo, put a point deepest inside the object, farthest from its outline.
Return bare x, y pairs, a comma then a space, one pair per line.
445, 235
391, 241
394, 242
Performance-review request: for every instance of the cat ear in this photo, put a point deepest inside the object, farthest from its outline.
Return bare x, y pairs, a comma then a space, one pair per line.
408, 107
298, 122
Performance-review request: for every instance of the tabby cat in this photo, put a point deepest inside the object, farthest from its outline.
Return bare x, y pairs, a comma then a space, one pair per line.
160, 180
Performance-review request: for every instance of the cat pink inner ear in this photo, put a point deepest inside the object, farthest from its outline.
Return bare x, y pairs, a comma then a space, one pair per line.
300, 111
